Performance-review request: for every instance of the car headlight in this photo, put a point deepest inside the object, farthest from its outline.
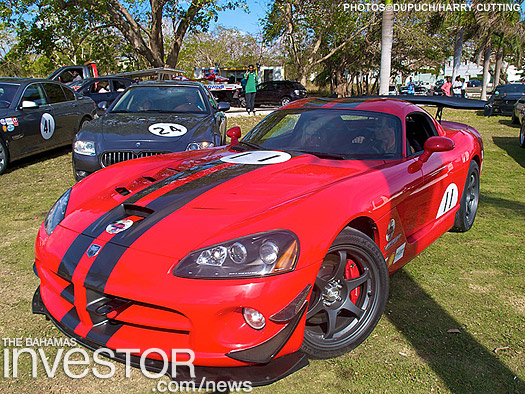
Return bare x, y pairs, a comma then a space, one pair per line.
257, 255
199, 145
56, 213
85, 148
297, 92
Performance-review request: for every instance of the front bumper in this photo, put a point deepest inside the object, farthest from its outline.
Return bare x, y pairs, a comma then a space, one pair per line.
258, 375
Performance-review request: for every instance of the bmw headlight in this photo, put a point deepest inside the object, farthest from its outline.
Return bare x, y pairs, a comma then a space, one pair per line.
199, 145
57, 213
84, 148
264, 254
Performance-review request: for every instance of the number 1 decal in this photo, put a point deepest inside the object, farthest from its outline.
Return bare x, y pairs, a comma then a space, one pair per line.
449, 200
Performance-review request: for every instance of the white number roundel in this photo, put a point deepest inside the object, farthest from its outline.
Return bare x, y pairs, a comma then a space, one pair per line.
47, 126
258, 157
168, 129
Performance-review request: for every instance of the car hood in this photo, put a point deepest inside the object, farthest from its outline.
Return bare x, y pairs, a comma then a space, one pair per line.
197, 195
135, 127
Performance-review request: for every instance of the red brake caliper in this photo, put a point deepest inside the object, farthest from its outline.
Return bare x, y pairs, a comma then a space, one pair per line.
351, 272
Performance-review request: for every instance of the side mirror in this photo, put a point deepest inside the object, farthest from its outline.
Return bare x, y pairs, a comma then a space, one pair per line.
223, 106
103, 105
234, 133
26, 104
432, 144
436, 144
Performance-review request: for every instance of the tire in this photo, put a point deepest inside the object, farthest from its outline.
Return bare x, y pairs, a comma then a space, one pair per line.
285, 100
4, 156
468, 205
348, 297
522, 136
514, 120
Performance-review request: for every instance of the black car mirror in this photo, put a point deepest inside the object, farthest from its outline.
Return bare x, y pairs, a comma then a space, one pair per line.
223, 106
26, 104
103, 105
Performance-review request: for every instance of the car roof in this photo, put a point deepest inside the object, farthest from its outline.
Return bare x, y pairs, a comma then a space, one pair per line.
22, 81
169, 83
387, 105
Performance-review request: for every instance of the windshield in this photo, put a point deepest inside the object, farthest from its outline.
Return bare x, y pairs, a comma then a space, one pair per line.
348, 134
514, 88
164, 99
7, 92
298, 86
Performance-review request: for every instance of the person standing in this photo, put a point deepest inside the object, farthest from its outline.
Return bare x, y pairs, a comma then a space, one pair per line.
463, 88
456, 87
447, 87
411, 87
251, 88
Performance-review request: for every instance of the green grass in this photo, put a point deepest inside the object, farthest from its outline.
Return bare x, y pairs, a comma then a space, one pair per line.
471, 282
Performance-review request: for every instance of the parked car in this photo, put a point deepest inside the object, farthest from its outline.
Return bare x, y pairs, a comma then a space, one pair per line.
38, 115
148, 119
518, 111
66, 74
474, 83
277, 93
259, 253
503, 99
393, 90
102, 90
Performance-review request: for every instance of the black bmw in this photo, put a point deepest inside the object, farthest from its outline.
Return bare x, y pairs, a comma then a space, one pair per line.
38, 115
148, 119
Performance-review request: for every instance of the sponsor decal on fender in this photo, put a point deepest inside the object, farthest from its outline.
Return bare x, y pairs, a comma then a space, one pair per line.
400, 252
390, 230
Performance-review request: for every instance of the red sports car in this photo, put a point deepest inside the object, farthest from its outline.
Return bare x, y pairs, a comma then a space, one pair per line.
261, 253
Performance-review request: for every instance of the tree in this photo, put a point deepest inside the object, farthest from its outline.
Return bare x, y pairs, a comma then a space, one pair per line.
387, 37
153, 29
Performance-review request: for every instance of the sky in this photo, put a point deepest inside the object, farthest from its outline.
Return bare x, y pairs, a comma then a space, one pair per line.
247, 22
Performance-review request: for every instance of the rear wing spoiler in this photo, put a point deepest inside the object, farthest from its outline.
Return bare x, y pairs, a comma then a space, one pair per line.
439, 101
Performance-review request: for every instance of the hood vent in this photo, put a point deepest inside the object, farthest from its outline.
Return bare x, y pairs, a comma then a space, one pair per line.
137, 210
149, 178
122, 190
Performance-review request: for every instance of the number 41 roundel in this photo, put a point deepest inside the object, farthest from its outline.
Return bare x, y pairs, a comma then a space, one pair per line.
47, 126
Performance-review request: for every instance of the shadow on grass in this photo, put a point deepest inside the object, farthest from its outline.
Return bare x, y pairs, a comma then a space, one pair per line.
464, 365
511, 145
27, 161
502, 203
508, 122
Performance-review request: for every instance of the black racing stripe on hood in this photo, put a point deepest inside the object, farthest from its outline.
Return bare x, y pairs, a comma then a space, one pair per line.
73, 255
102, 333
164, 206
81, 244
71, 319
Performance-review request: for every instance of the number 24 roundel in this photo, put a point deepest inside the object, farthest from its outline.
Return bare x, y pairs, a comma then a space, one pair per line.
167, 129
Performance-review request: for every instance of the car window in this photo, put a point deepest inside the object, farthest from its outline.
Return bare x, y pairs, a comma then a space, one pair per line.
55, 93
262, 86
70, 96
347, 133
164, 99
69, 75
419, 128
100, 86
34, 93
120, 86
7, 93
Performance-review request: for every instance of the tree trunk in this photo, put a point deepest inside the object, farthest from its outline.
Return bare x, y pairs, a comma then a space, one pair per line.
499, 63
458, 47
387, 35
486, 75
